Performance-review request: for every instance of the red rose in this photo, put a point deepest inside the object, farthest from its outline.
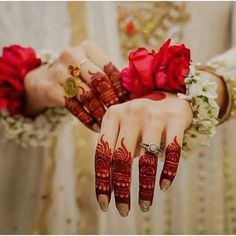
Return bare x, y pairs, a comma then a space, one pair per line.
165, 70
171, 67
137, 77
15, 63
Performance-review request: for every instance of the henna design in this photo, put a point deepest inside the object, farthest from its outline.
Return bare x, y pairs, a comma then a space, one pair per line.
114, 75
92, 103
121, 170
73, 105
156, 96
173, 151
103, 87
102, 168
147, 176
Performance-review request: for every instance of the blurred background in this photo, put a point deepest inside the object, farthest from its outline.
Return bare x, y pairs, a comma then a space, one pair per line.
50, 189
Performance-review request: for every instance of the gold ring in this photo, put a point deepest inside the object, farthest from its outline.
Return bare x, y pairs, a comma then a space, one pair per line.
82, 62
74, 70
71, 86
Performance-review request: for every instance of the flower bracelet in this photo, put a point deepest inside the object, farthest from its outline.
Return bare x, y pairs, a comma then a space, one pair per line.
170, 70
15, 63
201, 93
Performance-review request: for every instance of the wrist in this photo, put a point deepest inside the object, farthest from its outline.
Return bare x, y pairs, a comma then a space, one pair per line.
35, 101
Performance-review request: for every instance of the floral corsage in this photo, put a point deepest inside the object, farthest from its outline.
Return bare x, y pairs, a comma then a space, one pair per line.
170, 70
16, 61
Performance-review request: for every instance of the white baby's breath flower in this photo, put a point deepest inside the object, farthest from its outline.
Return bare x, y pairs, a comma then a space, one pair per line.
201, 91
47, 56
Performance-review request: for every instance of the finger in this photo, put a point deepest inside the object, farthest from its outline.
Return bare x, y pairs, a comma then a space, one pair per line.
99, 82
91, 102
115, 77
121, 165
91, 74
86, 99
148, 164
74, 106
101, 59
174, 138
103, 155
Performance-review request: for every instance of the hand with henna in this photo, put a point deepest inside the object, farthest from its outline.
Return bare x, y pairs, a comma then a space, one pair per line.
100, 85
158, 117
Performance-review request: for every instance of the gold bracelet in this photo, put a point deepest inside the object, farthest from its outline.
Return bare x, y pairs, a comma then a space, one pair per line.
230, 85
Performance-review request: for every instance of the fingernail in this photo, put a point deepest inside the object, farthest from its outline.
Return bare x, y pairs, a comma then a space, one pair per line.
96, 128
145, 205
165, 183
123, 209
102, 203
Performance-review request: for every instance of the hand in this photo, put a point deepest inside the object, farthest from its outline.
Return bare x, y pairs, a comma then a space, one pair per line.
158, 116
100, 87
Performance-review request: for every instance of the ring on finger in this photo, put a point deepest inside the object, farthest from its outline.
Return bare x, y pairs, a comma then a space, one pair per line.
151, 147
82, 62
74, 70
70, 86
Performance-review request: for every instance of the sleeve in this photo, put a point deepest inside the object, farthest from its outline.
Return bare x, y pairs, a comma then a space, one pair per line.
226, 62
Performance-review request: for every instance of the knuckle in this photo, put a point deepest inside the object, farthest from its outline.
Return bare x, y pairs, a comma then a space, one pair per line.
66, 54
113, 111
155, 114
177, 113
135, 109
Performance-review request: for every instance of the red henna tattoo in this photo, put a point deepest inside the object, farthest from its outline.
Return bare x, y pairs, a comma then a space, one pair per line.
73, 105
114, 75
147, 176
92, 103
121, 171
156, 96
102, 168
103, 87
173, 152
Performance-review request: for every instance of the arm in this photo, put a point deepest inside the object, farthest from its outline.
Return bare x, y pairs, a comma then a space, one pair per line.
46, 90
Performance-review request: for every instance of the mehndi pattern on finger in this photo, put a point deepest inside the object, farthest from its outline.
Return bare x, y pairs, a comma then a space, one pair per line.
114, 75
92, 103
147, 176
73, 105
173, 152
103, 87
103, 157
121, 170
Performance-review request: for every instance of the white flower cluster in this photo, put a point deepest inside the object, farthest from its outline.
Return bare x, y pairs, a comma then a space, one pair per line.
37, 131
47, 56
33, 132
201, 93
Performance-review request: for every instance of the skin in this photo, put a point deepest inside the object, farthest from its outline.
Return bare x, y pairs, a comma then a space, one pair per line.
151, 119
99, 87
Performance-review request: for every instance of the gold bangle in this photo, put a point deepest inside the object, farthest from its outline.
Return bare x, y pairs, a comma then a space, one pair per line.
231, 106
